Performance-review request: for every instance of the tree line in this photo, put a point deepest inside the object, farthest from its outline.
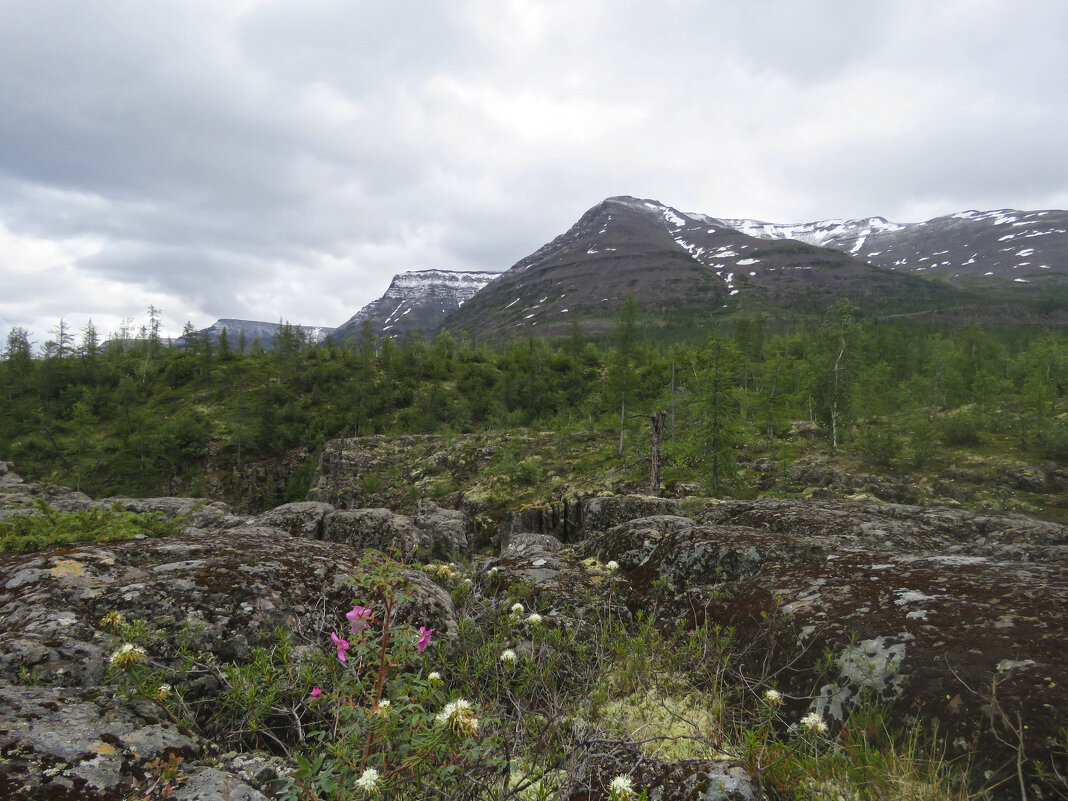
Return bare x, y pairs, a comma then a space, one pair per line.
136, 416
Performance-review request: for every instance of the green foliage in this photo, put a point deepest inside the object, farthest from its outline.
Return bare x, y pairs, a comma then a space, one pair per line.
963, 428
142, 419
47, 528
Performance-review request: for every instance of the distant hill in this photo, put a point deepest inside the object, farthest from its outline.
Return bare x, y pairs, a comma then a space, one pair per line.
254, 329
418, 300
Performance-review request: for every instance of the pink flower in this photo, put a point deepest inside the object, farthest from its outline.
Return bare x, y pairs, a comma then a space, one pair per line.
342, 646
316, 692
424, 638
359, 618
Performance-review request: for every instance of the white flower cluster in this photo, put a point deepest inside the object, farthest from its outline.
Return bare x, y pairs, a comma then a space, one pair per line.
434, 677
813, 722
368, 781
773, 697
621, 788
441, 570
459, 717
508, 656
517, 609
127, 656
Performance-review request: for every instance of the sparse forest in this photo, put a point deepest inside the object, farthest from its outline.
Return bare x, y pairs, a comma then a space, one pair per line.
138, 416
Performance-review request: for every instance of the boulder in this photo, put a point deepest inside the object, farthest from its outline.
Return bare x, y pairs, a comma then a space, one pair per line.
230, 590
445, 529
631, 544
380, 529
302, 519
950, 617
602, 513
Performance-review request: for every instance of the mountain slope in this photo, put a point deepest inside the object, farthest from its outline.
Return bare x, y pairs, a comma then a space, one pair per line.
1005, 246
416, 301
676, 265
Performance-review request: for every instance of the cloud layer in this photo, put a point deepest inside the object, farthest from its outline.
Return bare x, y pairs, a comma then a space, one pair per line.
282, 159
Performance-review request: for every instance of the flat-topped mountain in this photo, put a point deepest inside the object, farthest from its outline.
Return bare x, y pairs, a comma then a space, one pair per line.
418, 300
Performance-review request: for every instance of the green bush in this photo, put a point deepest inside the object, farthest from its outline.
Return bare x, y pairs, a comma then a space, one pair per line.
961, 429
880, 445
44, 527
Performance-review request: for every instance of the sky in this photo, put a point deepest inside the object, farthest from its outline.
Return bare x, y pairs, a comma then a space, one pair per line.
283, 159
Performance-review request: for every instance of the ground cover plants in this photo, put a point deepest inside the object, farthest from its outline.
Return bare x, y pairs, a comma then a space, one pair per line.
43, 527
520, 701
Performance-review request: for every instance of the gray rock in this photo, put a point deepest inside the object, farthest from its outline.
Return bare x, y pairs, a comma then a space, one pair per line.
602, 513
210, 784
379, 529
301, 519
916, 607
446, 529
199, 512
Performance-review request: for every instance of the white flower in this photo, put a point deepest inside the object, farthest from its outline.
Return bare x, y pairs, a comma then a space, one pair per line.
163, 692
508, 657
459, 717
621, 788
517, 609
813, 722
773, 697
534, 619
434, 677
127, 656
612, 566
368, 782
383, 707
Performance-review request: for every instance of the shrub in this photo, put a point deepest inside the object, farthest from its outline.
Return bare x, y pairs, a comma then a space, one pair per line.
960, 429
44, 527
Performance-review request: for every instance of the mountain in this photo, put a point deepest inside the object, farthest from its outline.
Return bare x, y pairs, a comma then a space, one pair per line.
254, 329
1006, 246
679, 266
416, 301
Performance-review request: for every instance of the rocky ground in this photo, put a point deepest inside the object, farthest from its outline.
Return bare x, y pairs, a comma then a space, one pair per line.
953, 618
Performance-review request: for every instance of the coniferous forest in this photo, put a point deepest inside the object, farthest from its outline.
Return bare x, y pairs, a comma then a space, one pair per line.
138, 415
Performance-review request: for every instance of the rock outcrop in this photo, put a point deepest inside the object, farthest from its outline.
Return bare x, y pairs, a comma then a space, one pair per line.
66, 732
950, 617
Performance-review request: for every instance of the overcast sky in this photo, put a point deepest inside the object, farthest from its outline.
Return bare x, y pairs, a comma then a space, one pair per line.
283, 159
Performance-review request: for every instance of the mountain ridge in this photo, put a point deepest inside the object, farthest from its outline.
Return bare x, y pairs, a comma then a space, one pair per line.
416, 300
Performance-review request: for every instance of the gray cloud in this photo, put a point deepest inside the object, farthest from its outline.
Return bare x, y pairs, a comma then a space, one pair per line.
276, 159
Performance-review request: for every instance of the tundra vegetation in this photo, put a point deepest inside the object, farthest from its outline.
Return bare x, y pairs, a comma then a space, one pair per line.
514, 703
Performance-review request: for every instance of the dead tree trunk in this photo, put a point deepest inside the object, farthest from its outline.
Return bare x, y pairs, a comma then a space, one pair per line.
654, 460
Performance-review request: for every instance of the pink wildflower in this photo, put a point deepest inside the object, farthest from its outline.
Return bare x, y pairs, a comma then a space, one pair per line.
316, 692
359, 618
424, 638
342, 646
